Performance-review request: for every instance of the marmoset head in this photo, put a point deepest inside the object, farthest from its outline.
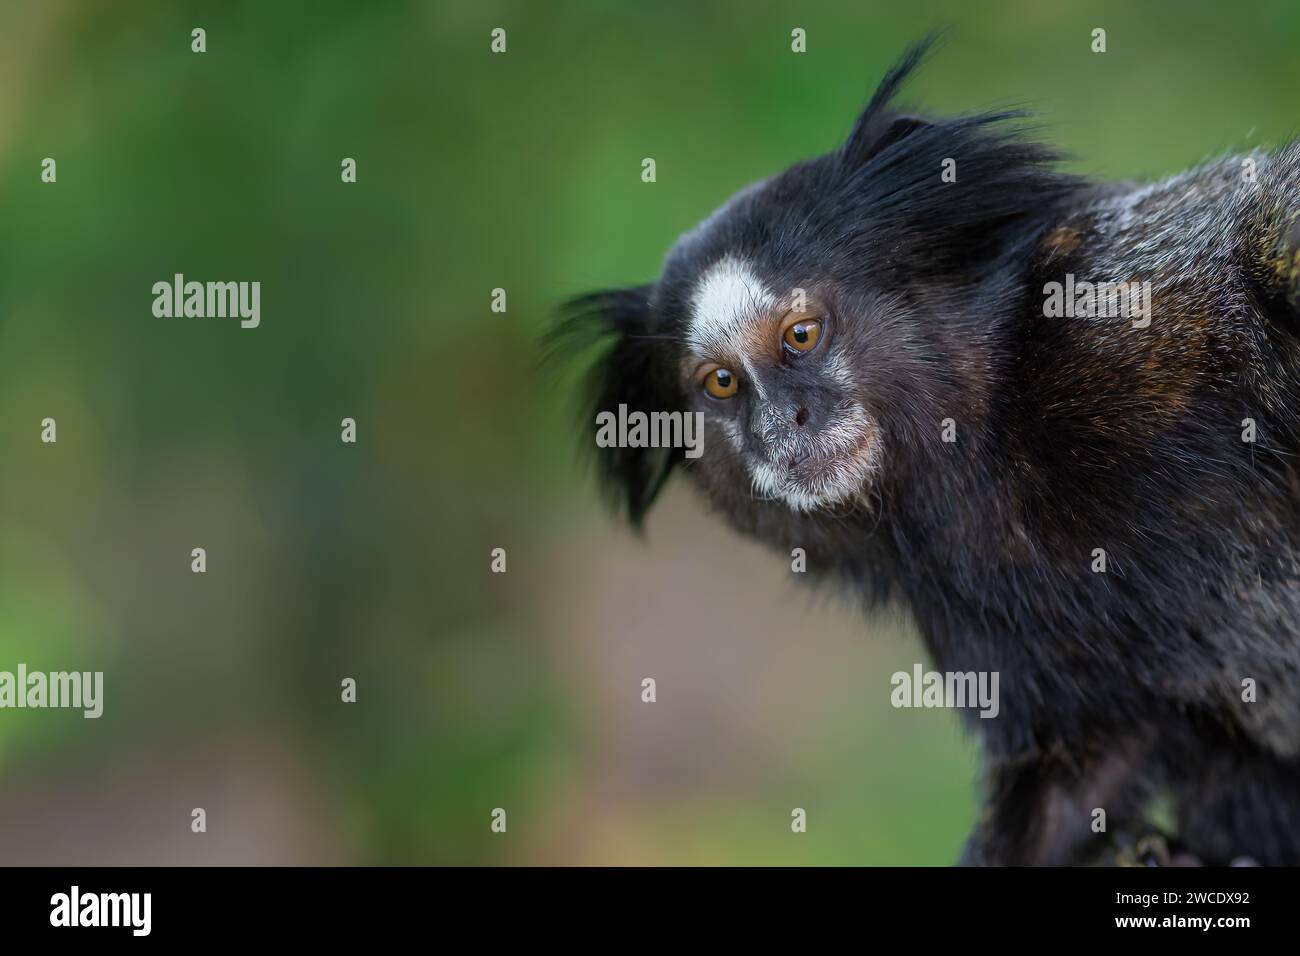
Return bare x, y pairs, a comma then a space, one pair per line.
817, 319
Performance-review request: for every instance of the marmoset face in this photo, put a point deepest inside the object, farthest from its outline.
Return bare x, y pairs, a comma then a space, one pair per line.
773, 372
828, 321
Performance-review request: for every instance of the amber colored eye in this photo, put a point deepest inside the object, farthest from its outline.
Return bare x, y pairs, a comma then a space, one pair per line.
720, 383
803, 334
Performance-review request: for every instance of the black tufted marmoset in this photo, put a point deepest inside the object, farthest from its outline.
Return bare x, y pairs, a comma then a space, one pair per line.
1056, 420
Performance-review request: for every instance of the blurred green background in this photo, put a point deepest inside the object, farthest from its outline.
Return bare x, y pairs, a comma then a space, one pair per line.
327, 560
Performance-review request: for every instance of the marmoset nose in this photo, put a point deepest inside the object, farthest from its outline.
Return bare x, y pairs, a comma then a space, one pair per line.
801, 416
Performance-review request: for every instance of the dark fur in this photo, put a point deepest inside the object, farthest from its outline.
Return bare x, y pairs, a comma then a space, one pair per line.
1073, 435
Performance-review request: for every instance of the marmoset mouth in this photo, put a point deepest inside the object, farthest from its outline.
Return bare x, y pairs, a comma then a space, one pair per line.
825, 471
814, 461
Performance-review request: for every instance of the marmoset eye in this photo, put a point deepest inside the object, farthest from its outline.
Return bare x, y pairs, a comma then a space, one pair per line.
720, 383
801, 334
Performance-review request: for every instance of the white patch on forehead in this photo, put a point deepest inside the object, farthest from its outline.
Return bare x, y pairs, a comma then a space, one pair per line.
728, 298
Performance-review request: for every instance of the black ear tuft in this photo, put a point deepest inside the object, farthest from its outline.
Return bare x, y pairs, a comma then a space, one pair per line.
878, 127
635, 371
897, 128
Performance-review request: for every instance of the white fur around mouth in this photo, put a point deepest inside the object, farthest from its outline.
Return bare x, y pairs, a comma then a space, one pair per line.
842, 462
